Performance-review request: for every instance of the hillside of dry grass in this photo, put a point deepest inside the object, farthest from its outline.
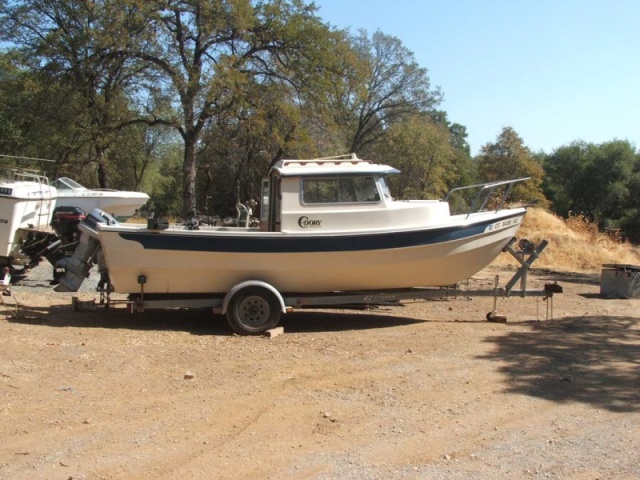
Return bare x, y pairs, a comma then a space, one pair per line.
574, 245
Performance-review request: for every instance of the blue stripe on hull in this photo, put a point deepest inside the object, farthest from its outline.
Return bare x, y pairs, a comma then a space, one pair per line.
305, 244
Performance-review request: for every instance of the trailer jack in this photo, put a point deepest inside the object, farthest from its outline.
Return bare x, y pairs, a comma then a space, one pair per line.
526, 254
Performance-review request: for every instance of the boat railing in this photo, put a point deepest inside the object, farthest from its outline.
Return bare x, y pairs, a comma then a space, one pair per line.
18, 173
486, 192
243, 217
31, 176
24, 175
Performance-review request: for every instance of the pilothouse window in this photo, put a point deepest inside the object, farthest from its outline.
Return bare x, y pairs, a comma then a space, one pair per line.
339, 190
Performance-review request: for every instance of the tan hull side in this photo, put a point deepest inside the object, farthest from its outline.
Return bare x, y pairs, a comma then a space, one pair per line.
204, 272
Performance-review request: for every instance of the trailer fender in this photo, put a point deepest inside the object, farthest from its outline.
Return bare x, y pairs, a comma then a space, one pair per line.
250, 283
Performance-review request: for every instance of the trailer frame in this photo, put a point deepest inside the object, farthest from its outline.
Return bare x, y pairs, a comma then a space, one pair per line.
254, 306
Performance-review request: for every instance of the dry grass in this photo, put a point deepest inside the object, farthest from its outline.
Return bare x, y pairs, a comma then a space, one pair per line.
574, 245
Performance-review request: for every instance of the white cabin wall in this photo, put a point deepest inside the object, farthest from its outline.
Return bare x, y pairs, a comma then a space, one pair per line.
355, 217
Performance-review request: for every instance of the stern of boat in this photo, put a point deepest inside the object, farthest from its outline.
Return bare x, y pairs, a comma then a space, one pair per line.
87, 254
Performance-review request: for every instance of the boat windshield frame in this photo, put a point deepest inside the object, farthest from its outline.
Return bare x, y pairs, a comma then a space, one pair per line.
65, 183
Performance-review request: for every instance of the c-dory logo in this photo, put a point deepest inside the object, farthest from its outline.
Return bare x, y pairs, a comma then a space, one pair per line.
305, 222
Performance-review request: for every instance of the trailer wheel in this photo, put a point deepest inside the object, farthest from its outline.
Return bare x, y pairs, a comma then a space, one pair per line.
253, 310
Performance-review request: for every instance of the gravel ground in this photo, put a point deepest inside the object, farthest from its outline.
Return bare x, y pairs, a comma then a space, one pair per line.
38, 280
426, 391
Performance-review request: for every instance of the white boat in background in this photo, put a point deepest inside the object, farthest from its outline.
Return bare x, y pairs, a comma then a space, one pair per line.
326, 225
39, 219
27, 202
118, 203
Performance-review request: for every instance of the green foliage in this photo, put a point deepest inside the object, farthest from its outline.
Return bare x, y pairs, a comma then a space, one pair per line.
600, 182
508, 158
163, 182
629, 220
77, 45
244, 142
463, 170
422, 150
209, 56
39, 115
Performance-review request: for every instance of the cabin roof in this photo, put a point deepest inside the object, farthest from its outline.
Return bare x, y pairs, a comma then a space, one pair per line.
339, 165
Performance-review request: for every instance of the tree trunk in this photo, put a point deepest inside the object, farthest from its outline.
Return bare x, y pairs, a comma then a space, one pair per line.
103, 178
189, 175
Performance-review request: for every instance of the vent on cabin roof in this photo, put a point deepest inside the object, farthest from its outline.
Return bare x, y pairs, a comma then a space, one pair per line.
338, 160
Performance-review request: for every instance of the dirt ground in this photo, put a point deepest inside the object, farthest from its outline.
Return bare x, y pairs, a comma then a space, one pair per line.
426, 391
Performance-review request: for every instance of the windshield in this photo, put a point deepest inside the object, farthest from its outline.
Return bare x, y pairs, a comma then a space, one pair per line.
65, 183
385, 188
339, 190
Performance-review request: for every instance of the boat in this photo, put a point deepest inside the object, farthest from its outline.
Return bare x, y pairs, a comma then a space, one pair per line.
120, 204
326, 225
39, 219
27, 202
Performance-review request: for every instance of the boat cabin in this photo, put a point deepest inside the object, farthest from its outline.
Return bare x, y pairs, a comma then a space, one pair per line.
337, 194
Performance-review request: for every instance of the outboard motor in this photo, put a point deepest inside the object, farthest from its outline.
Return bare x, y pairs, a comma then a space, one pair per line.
78, 265
54, 247
38, 244
65, 223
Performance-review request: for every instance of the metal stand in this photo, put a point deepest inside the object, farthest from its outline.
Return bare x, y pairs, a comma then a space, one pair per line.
526, 255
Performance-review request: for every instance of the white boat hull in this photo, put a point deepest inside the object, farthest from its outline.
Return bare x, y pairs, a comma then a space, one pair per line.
121, 205
215, 260
29, 208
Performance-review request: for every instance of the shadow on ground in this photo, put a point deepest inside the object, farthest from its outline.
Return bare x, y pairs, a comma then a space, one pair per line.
569, 277
319, 321
201, 321
592, 360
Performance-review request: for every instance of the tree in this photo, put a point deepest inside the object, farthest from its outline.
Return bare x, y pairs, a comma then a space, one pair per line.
564, 170
458, 133
508, 158
596, 181
630, 217
242, 82
207, 54
137, 155
242, 143
394, 87
421, 149
80, 42
609, 173
38, 115
461, 164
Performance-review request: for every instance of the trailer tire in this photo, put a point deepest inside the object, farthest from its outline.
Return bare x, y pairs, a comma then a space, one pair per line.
253, 310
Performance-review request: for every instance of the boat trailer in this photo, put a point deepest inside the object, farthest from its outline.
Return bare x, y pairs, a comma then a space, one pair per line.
253, 306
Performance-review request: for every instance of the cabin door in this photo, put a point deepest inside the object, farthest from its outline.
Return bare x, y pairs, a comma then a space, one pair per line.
264, 205
271, 204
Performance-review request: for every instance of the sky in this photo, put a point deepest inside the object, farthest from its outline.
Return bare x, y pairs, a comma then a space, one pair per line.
554, 70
